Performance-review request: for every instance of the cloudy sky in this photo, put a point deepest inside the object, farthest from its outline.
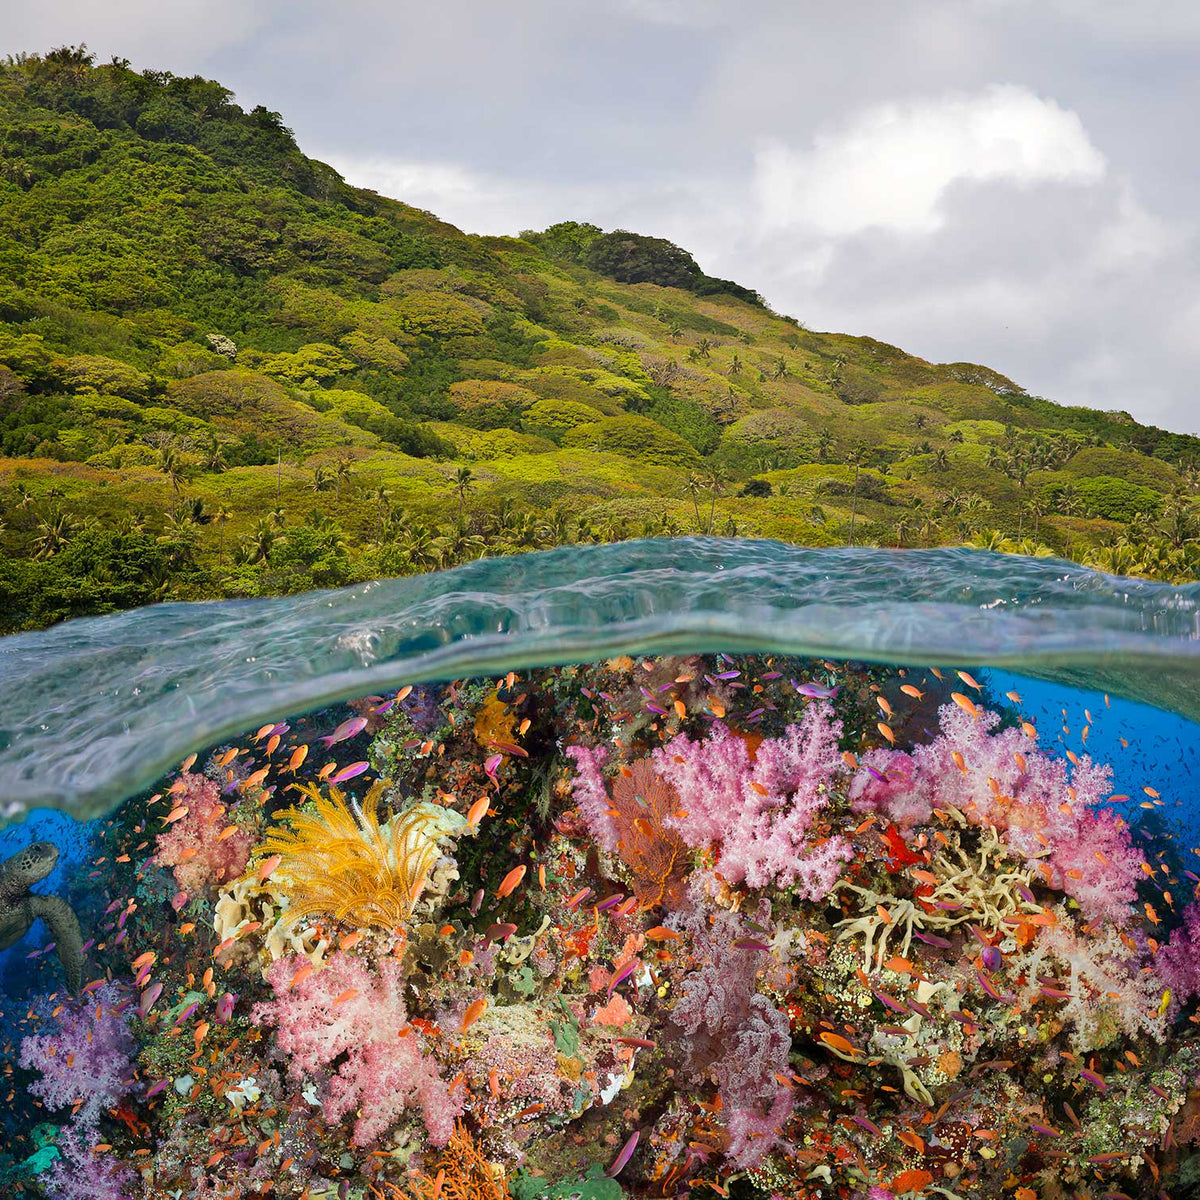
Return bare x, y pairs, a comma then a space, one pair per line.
1010, 182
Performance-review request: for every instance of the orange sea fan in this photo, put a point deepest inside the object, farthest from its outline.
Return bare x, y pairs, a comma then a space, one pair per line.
655, 854
462, 1172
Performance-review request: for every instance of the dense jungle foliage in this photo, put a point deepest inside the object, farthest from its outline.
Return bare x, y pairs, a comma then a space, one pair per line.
226, 372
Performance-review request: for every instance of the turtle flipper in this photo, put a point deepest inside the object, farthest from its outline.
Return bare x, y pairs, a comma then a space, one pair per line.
68, 937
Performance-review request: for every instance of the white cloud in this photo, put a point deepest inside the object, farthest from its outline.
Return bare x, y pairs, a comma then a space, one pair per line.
891, 166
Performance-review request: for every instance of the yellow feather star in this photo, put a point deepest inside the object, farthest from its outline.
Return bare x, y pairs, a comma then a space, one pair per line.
340, 862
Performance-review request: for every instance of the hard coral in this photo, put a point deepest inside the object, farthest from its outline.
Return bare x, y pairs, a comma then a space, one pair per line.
345, 1010
193, 846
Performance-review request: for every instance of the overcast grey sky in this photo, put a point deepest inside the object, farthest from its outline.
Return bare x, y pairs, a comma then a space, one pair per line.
1010, 182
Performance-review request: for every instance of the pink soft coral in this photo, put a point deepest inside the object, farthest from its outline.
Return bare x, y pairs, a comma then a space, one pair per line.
191, 844
759, 809
1050, 816
1178, 962
384, 1072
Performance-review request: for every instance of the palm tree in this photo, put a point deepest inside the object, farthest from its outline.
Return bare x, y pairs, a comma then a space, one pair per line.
905, 527
676, 332
941, 460
824, 445
278, 516
221, 516
695, 485
214, 456
1068, 506
171, 465
462, 483
383, 499
320, 479
55, 531
735, 366
261, 542
716, 483
780, 369
704, 348
1036, 508
557, 527
856, 457
343, 470
420, 545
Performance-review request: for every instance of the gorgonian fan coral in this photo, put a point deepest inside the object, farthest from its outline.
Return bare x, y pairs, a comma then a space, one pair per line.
633, 823
339, 860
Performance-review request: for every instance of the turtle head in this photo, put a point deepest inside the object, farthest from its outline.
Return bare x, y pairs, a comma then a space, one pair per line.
35, 862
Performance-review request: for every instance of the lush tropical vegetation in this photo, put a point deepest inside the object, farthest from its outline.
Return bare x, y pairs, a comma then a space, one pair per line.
225, 372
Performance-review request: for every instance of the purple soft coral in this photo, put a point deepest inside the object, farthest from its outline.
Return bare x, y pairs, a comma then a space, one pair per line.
89, 1060
759, 807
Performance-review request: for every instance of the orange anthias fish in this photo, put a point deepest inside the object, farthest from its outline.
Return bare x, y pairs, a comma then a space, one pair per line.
510, 881
475, 1010
909, 690
965, 703
969, 680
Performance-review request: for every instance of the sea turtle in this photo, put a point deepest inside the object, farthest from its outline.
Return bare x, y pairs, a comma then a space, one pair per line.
19, 907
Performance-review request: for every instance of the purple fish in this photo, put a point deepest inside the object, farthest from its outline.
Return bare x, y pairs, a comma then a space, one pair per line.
992, 958
932, 939
623, 1155
1095, 1079
729, 674
187, 1012
225, 1007
610, 901
149, 997
867, 1124
1044, 1129
347, 729
623, 974
379, 709
350, 772
814, 691
158, 1087
750, 944
655, 708
476, 901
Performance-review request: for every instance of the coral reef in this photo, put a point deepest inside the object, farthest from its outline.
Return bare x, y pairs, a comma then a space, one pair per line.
656, 926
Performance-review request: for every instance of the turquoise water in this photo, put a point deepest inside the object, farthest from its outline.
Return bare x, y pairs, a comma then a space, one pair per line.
93, 710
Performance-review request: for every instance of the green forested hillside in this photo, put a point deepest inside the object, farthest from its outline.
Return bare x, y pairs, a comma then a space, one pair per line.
224, 371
